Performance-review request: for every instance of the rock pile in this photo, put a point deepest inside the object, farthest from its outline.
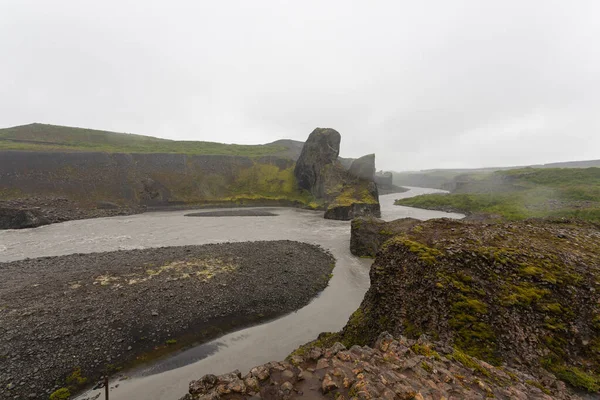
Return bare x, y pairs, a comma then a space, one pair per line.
392, 369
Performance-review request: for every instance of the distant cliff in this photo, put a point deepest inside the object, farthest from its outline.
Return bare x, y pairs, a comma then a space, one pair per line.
146, 179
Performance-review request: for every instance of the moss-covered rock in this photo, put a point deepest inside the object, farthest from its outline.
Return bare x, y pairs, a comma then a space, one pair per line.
368, 234
525, 294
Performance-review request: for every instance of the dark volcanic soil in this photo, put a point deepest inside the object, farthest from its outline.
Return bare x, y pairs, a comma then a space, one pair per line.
104, 310
234, 213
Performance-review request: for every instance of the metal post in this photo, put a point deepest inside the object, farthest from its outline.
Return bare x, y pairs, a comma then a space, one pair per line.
106, 387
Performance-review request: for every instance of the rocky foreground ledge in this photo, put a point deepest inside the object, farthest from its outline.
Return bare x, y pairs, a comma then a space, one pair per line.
393, 369
64, 321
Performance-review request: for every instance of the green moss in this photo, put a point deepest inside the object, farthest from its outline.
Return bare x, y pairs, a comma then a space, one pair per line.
426, 367
324, 341
410, 329
577, 378
171, 342
468, 362
425, 350
355, 331
75, 379
426, 254
524, 294
538, 385
60, 394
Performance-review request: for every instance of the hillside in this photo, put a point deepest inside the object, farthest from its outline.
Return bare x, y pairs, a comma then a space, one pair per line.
447, 178
42, 137
522, 193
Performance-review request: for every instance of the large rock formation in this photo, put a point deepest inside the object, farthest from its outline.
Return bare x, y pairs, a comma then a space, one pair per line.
393, 369
364, 168
357, 199
320, 151
347, 193
368, 234
358, 195
523, 294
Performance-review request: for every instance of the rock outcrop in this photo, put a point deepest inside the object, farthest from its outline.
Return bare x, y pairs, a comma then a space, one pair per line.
368, 234
364, 168
384, 178
15, 218
358, 198
347, 193
523, 294
392, 369
320, 151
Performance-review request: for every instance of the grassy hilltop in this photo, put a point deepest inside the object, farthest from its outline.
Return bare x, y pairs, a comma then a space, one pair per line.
523, 193
42, 137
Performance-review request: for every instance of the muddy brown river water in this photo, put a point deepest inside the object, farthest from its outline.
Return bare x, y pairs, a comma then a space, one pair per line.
169, 378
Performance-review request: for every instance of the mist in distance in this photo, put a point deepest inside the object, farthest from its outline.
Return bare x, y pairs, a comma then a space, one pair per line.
431, 84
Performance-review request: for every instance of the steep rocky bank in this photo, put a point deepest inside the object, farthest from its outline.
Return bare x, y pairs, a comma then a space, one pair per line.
522, 294
368, 234
392, 369
66, 320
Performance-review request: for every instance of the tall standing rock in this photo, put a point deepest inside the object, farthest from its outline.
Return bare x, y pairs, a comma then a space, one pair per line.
320, 150
364, 167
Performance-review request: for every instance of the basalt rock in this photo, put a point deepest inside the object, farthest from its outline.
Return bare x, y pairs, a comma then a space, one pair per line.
364, 167
522, 294
358, 199
392, 369
320, 150
368, 234
15, 218
347, 193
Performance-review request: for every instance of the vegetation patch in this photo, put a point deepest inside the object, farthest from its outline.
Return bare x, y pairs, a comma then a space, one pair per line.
523, 193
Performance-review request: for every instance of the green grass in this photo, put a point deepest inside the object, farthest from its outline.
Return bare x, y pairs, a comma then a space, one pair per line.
41, 137
524, 193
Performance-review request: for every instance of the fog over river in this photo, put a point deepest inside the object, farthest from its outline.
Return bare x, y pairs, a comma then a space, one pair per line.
169, 378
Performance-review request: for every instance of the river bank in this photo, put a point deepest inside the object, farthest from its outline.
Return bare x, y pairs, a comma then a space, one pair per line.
89, 313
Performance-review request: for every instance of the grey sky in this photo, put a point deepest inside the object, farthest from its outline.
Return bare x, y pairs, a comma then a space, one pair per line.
422, 84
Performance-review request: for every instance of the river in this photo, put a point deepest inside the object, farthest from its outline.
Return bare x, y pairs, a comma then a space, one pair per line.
169, 378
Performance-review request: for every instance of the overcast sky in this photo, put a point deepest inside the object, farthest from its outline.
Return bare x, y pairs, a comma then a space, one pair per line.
423, 84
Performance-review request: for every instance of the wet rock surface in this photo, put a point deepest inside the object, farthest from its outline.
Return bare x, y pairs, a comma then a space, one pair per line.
392, 369
32, 212
64, 321
368, 234
320, 151
344, 212
524, 294
364, 167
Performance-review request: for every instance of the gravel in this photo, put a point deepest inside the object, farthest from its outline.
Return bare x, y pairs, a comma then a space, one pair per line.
102, 311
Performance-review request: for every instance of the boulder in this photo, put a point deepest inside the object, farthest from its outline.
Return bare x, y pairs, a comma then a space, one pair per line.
348, 212
364, 167
15, 218
320, 150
